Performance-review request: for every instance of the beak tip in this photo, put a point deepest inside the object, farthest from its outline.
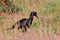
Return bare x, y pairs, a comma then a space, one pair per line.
37, 17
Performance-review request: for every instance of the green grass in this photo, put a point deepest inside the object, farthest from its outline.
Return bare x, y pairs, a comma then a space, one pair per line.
50, 8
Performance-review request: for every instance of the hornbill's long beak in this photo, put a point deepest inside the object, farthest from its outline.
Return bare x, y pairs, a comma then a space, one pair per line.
37, 16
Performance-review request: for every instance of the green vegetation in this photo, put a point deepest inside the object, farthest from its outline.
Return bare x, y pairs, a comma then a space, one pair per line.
50, 8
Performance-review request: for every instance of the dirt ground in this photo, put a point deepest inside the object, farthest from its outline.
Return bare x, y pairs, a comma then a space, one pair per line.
31, 34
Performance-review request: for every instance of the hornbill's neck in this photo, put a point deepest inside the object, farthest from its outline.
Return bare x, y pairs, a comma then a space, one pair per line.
30, 19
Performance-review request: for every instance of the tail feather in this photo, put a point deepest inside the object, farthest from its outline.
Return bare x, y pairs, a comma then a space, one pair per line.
10, 28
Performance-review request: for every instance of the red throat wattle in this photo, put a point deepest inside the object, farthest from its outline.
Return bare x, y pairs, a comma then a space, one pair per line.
32, 17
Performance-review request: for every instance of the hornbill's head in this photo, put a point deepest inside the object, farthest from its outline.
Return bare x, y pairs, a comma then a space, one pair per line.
33, 13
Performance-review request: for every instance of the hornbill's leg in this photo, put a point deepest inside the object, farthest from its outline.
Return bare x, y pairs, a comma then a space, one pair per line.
19, 27
24, 28
28, 25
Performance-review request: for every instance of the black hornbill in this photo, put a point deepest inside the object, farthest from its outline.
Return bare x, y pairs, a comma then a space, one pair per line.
25, 22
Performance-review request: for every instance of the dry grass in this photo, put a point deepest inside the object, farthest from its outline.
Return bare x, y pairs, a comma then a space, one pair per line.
47, 27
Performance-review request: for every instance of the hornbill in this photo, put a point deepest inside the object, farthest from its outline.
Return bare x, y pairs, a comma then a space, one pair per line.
25, 22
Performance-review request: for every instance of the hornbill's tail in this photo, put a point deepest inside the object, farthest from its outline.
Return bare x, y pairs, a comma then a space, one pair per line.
10, 28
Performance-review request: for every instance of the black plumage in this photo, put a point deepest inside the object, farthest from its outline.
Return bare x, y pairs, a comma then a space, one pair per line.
26, 22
